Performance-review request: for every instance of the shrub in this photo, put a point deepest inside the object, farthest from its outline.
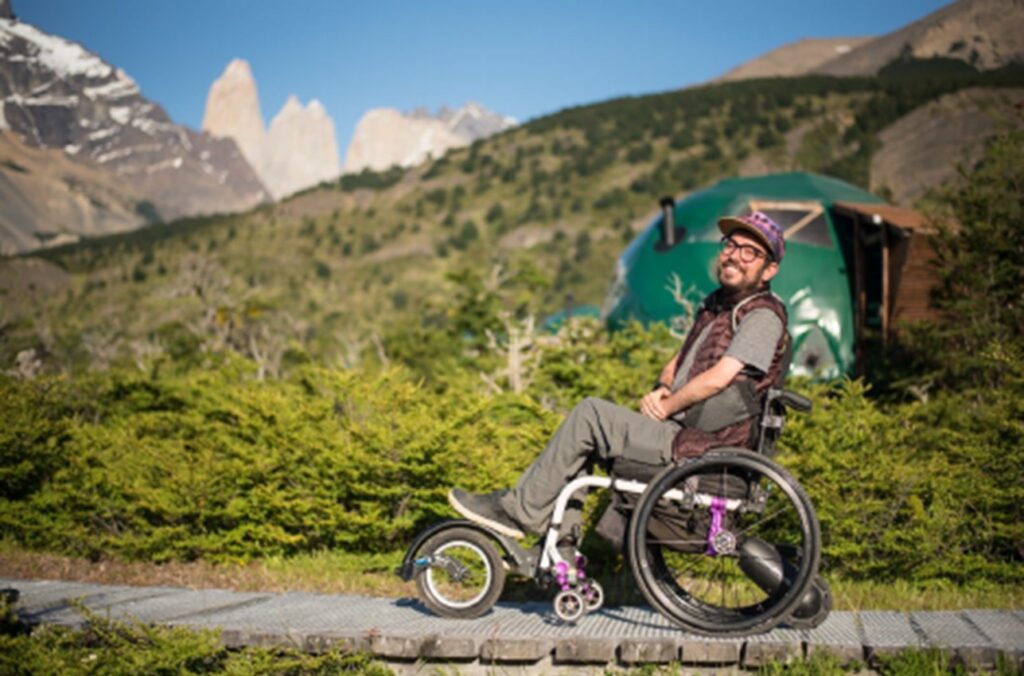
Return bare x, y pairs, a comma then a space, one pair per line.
913, 491
217, 466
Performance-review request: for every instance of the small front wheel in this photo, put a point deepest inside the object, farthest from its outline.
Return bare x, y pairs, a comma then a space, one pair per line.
459, 573
570, 605
593, 593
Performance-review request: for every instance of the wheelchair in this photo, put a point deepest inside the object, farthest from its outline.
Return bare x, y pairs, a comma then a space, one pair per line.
727, 544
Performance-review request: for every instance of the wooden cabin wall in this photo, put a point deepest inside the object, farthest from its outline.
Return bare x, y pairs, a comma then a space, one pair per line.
913, 279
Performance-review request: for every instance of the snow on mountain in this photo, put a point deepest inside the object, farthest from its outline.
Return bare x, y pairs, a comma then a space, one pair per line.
63, 58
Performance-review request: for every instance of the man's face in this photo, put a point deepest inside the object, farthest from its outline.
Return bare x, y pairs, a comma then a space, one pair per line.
738, 275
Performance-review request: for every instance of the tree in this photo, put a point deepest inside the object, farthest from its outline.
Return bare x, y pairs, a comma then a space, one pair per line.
979, 249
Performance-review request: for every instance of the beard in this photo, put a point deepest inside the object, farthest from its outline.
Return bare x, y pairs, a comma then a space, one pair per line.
743, 285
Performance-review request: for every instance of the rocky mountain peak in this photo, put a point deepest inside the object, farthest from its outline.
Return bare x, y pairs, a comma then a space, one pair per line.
301, 148
238, 70
291, 108
296, 151
6, 11
385, 136
444, 113
233, 111
985, 33
61, 57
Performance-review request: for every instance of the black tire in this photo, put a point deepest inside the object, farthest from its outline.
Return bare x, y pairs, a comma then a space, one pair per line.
462, 575
707, 592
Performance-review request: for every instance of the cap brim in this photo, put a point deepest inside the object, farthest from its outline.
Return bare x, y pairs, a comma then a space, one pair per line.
729, 225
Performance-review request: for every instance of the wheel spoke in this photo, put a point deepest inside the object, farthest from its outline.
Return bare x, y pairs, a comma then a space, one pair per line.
753, 528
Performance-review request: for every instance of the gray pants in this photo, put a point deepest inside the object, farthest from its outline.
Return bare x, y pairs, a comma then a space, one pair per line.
596, 430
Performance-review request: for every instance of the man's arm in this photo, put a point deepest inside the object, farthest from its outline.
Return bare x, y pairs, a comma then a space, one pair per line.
668, 373
707, 384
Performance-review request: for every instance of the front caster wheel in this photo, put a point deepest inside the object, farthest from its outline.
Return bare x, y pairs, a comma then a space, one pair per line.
570, 605
593, 594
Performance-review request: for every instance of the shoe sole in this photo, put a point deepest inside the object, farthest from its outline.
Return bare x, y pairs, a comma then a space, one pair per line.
476, 518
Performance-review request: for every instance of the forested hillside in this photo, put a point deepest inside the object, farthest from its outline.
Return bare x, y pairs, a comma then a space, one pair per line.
536, 215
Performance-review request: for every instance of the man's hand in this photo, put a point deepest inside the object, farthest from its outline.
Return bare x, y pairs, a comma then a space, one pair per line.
652, 404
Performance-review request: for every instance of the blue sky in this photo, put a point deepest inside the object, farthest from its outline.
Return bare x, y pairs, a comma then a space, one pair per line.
523, 59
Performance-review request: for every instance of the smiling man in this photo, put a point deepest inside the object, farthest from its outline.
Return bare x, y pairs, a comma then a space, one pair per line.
707, 396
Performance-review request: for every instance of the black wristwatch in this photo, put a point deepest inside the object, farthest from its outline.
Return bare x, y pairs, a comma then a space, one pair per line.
658, 385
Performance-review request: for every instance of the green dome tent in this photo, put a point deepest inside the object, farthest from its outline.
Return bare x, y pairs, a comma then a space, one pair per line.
670, 266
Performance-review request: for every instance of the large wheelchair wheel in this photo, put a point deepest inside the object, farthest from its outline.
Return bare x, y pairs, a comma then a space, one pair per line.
724, 545
461, 574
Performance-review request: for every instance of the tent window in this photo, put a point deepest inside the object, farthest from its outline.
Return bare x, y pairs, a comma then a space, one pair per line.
802, 222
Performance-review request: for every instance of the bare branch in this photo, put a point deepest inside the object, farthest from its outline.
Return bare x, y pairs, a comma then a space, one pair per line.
352, 349
687, 300
495, 387
102, 344
497, 277
520, 356
381, 354
27, 365
142, 351
266, 347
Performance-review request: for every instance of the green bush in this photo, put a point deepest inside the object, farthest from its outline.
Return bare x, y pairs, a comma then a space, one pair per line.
218, 466
914, 491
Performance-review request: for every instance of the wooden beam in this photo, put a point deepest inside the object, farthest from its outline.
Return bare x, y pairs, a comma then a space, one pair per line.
860, 312
886, 301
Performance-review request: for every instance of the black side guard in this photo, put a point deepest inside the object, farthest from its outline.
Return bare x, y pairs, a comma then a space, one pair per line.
764, 564
523, 562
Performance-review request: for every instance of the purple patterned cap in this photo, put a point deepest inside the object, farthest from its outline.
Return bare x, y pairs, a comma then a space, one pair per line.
763, 228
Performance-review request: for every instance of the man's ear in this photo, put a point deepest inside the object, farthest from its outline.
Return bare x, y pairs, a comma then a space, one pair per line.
770, 270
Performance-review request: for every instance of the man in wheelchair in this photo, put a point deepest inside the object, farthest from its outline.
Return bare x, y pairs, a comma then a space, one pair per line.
708, 396
721, 540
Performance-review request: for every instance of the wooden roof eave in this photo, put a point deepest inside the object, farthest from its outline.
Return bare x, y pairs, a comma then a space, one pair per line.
906, 219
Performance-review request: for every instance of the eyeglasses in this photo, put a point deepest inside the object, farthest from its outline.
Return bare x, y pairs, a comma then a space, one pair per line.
746, 252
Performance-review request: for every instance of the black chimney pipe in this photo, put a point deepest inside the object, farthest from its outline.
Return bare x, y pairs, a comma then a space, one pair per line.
668, 223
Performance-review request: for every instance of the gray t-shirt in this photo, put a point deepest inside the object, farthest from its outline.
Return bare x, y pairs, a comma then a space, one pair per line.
753, 343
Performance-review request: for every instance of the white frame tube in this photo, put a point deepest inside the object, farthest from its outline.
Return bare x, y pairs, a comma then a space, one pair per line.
550, 556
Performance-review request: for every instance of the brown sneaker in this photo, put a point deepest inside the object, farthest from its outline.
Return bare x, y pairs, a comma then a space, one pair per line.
485, 510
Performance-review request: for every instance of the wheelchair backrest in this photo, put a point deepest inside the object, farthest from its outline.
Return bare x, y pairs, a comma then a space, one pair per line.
770, 422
